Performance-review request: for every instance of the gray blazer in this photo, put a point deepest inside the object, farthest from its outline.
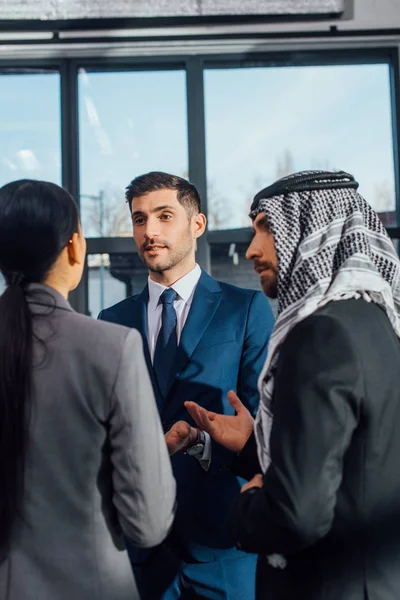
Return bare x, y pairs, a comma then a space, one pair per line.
97, 465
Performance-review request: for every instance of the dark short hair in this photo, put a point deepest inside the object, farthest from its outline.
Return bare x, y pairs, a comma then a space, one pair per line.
187, 193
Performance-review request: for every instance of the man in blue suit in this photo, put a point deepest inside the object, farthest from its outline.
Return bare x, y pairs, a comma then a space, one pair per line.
202, 338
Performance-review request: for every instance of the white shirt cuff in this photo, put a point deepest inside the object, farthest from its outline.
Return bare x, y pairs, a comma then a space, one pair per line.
205, 458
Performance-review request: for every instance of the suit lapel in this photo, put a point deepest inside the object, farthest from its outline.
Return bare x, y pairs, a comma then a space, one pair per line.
138, 320
206, 299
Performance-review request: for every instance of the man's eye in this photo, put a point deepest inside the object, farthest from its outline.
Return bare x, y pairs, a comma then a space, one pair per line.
166, 217
139, 221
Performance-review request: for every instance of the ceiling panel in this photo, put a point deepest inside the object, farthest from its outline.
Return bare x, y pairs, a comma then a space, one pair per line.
94, 9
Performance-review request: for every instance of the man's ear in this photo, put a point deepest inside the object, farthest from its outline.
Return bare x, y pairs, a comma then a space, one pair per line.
74, 254
199, 224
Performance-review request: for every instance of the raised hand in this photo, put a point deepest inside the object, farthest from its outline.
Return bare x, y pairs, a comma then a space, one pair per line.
232, 432
180, 436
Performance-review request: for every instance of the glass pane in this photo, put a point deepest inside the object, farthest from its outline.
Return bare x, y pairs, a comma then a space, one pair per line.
229, 264
30, 126
130, 123
104, 289
263, 123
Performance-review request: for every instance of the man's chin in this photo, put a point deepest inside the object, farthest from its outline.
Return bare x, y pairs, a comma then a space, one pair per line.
269, 289
157, 267
152, 264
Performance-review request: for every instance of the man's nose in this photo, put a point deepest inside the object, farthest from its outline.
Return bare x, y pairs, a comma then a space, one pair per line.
151, 229
253, 251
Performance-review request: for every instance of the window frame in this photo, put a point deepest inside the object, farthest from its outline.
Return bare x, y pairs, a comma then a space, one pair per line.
302, 52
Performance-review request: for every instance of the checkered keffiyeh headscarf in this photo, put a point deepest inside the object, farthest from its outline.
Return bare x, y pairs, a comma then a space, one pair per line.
330, 245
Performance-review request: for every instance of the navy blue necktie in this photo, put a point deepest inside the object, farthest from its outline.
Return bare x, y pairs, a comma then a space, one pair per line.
167, 342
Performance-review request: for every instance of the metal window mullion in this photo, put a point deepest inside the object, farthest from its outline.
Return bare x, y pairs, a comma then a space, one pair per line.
70, 161
197, 146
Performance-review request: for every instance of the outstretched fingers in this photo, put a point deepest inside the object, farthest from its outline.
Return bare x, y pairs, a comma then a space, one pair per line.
202, 417
235, 402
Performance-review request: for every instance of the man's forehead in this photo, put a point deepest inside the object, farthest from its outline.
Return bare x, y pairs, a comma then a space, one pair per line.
152, 200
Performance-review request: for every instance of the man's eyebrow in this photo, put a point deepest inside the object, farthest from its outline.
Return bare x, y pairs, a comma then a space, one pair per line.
157, 209
263, 222
163, 207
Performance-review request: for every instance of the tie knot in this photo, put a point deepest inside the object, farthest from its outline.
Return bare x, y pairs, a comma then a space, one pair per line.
168, 296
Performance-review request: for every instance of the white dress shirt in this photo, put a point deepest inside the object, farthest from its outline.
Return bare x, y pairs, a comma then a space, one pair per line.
185, 288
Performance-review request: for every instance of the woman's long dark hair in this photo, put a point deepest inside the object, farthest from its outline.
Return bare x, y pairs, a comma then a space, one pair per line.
37, 220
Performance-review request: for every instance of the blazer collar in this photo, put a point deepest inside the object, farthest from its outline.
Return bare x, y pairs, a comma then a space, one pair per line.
138, 320
41, 297
206, 300
184, 287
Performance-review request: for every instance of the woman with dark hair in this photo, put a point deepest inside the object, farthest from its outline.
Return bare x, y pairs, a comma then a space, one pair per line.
82, 454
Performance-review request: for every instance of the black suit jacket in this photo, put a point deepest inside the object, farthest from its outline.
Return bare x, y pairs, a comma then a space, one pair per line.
331, 496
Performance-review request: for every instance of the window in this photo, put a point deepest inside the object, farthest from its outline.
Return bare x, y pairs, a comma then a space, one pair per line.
104, 289
229, 264
130, 123
30, 126
263, 123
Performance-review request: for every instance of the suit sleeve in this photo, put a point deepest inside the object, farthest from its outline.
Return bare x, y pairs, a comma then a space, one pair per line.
144, 487
259, 325
260, 322
246, 464
318, 391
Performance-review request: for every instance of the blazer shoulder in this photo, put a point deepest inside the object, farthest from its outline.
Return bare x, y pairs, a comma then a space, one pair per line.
91, 325
108, 313
255, 301
348, 314
239, 292
362, 321
98, 336
328, 328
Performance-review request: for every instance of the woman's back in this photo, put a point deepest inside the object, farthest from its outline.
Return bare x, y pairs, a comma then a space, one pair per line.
96, 463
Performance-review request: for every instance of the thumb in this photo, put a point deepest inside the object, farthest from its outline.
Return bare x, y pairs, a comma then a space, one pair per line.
183, 429
235, 402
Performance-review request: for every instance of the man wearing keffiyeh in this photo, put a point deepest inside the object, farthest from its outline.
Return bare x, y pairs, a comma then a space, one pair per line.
325, 515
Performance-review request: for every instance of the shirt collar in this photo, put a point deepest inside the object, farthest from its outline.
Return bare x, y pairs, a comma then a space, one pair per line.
184, 287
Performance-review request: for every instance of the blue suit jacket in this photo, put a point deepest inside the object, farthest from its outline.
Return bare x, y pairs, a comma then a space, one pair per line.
223, 346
